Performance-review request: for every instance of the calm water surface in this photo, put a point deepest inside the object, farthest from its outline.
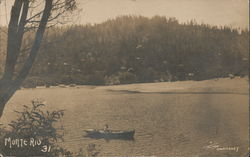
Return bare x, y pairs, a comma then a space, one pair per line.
166, 124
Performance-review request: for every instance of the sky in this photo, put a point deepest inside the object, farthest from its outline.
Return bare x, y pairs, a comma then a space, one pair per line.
234, 13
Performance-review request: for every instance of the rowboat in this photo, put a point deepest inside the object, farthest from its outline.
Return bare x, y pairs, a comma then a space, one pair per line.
110, 134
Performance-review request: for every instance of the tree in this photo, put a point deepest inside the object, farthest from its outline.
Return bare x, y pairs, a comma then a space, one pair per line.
26, 16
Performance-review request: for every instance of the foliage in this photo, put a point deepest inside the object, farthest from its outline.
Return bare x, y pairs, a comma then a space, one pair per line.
34, 123
132, 49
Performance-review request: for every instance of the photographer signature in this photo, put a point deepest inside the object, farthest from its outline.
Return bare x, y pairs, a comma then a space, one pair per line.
217, 147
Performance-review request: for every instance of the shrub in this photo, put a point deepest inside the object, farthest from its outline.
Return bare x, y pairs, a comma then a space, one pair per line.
36, 123
38, 128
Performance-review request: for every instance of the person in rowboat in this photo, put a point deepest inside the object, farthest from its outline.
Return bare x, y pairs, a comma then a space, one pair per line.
106, 128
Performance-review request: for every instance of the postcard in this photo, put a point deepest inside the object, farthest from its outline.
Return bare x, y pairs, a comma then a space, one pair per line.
124, 78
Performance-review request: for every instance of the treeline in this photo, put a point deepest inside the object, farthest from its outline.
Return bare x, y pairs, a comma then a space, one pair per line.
132, 49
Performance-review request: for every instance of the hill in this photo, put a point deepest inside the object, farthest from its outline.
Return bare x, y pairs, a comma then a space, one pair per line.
136, 49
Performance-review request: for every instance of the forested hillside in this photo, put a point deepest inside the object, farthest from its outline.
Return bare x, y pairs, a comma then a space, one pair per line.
132, 49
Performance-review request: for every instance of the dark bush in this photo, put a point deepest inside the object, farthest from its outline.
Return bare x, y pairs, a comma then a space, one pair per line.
38, 128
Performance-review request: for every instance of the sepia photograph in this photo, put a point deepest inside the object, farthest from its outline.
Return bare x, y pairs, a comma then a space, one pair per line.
124, 78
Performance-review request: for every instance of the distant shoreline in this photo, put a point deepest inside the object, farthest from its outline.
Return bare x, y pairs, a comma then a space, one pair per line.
213, 86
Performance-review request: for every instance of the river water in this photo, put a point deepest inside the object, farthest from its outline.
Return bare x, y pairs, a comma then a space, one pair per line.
168, 125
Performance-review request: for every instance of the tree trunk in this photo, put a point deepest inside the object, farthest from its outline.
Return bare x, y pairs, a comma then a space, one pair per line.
8, 87
12, 41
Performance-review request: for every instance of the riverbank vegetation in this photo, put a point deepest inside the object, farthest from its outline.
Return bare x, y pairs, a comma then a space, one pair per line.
135, 49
